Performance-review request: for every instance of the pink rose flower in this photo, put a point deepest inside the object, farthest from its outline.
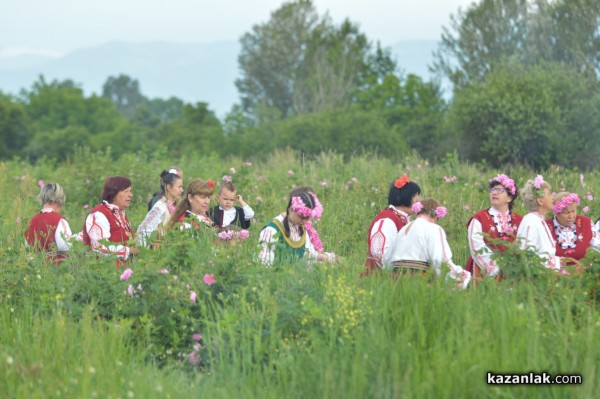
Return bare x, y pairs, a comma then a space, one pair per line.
290, 172
197, 337
417, 207
247, 164
243, 234
130, 290
226, 178
41, 184
126, 274
209, 279
193, 296
193, 358
586, 209
164, 271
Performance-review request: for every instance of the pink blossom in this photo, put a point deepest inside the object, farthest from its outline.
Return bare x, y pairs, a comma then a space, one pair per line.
441, 212
232, 170
226, 178
197, 337
164, 271
193, 358
225, 235
41, 184
451, 179
193, 296
126, 274
290, 172
478, 183
538, 181
590, 197
417, 207
209, 279
247, 164
466, 207
243, 234
130, 290
586, 209
85, 206
18, 220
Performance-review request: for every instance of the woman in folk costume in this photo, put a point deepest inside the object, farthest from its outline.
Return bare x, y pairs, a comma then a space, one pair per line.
386, 225
108, 222
573, 233
49, 231
498, 222
192, 211
160, 215
533, 231
285, 237
421, 245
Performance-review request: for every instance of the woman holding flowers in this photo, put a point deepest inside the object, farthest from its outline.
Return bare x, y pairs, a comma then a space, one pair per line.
192, 211
384, 229
486, 227
533, 231
286, 237
422, 245
573, 233
158, 218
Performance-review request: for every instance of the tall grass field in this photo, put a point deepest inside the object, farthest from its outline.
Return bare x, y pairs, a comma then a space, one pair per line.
292, 330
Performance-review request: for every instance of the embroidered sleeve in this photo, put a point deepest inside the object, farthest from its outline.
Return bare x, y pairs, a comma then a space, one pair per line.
63, 235
383, 235
595, 241
248, 212
267, 241
98, 228
150, 223
480, 252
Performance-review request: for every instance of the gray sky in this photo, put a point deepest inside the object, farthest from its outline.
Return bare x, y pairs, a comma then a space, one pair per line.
60, 26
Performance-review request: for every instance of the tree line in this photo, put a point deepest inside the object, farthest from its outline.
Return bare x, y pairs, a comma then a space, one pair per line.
523, 75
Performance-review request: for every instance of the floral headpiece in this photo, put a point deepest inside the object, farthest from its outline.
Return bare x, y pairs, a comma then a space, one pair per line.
565, 201
506, 182
211, 183
230, 234
538, 183
401, 182
440, 211
306, 212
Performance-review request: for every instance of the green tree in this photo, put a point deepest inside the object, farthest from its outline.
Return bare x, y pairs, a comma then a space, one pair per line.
124, 92
15, 128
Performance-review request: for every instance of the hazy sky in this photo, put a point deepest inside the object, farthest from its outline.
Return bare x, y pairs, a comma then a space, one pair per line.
59, 26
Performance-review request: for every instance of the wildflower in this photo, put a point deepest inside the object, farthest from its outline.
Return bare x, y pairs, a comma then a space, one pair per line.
164, 271
193, 358
247, 164
417, 207
126, 274
197, 337
441, 212
586, 209
41, 184
193, 296
130, 290
590, 197
323, 183
232, 170
290, 172
243, 234
466, 207
226, 178
209, 279
478, 183
225, 235
539, 180
85, 206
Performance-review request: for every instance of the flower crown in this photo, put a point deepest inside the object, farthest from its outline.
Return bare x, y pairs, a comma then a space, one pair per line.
401, 182
506, 182
538, 184
567, 200
211, 183
440, 211
304, 211
230, 234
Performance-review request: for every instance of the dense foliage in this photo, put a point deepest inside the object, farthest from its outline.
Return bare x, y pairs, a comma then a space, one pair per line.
289, 330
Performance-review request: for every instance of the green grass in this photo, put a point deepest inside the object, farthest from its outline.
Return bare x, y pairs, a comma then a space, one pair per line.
286, 331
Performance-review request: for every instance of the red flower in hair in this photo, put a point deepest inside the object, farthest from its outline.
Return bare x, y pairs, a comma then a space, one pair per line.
401, 182
210, 183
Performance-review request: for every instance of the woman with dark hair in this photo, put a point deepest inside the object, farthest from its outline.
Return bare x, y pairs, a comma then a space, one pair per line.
108, 222
161, 191
160, 215
498, 222
49, 231
285, 236
386, 225
192, 211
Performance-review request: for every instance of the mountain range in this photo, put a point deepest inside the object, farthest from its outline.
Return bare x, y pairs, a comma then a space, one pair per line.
190, 71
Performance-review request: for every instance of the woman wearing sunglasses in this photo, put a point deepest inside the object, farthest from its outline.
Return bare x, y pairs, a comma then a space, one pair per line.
486, 227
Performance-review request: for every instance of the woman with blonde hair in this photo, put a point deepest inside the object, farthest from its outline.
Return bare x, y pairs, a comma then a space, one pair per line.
533, 231
573, 233
192, 211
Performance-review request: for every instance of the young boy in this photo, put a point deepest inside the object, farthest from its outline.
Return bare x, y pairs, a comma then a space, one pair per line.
226, 213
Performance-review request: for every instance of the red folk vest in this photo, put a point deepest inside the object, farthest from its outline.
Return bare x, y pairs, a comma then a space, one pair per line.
400, 221
118, 234
584, 237
488, 228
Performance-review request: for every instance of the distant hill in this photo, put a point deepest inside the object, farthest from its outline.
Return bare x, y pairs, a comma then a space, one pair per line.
191, 72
